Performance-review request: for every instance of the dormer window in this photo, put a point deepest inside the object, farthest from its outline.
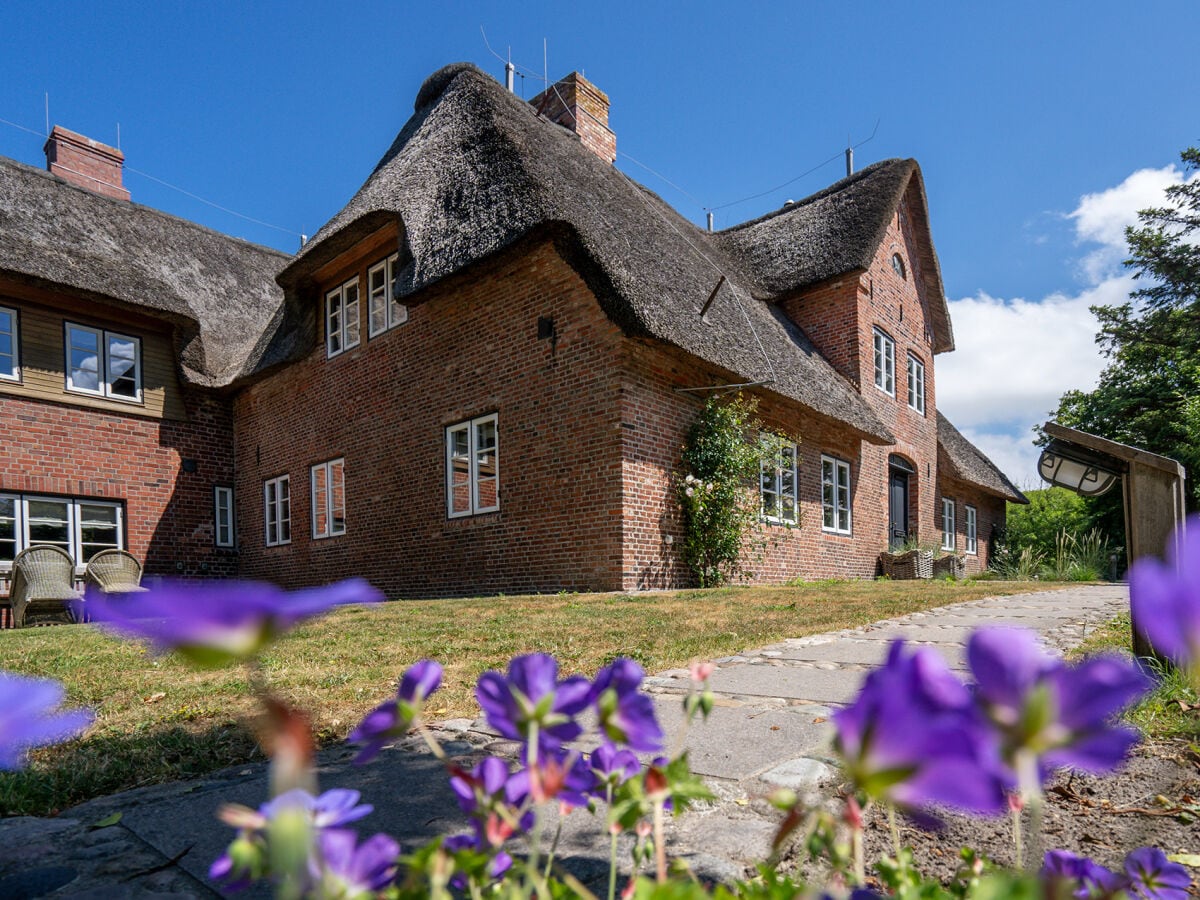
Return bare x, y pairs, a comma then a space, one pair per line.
341, 318
898, 266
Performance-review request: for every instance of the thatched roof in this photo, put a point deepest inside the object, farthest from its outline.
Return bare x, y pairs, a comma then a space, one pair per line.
839, 230
966, 462
475, 170
218, 291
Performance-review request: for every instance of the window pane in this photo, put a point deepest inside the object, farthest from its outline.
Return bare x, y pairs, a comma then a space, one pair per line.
333, 321
48, 522
350, 310
320, 501
337, 498
8, 528
485, 464
8, 352
83, 355
459, 446
122, 366
377, 310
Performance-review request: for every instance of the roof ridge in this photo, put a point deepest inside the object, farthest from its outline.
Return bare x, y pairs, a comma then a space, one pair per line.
140, 208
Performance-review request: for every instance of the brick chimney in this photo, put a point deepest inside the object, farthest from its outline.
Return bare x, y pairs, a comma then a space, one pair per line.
86, 163
577, 104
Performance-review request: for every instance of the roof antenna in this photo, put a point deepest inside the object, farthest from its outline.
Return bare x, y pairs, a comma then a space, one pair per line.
545, 67
850, 155
710, 222
118, 135
509, 69
47, 114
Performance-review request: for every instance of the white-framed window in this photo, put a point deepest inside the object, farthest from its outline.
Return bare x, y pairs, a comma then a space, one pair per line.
329, 499
885, 363
79, 525
898, 266
223, 533
972, 539
947, 524
103, 363
384, 311
341, 318
916, 384
10, 359
277, 510
777, 484
472, 467
835, 495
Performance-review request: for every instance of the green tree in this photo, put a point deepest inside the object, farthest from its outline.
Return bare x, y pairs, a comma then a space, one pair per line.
1149, 393
1050, 511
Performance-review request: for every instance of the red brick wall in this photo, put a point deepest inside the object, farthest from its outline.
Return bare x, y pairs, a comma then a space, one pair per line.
654, 426
58, 449
990, 516
470, 347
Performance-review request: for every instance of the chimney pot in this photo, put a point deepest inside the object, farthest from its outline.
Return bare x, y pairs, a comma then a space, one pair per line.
86, 163
577, 104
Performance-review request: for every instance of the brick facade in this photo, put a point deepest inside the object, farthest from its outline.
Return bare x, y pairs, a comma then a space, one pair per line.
469, 348
56, 449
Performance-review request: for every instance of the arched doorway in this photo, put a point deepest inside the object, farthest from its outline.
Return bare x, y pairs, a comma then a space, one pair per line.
900, 471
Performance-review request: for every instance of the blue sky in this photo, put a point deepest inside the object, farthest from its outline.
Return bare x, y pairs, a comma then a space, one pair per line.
1039, 127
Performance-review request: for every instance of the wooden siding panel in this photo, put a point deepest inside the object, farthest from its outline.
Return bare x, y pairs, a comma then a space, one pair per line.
43, 364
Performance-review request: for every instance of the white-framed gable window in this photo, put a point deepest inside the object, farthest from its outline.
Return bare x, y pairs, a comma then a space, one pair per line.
472, 467
103, 363
971, 526
777, 485
10, 359
81, 526
947, 524
223, 533
916, 384
885, 363
384, 310
341, 318
329, 499
835, 495
277, 511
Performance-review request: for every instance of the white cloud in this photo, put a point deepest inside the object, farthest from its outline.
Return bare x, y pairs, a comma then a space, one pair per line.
1102, 218
1014, 453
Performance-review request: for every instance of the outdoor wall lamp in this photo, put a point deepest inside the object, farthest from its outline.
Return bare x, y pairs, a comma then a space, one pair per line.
1076, 469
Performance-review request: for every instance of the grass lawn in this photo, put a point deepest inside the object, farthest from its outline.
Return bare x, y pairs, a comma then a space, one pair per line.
157, 720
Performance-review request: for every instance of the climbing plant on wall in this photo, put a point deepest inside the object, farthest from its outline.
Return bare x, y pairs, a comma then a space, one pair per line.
717, 488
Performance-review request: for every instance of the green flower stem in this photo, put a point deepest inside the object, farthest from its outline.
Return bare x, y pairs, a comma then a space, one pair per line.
1018, 841
612, 845
860, 868
895, 831
660, 847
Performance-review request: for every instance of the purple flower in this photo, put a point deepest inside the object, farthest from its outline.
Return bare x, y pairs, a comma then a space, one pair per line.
1165, 598
348, 869
332, 809
626, 714
495, 799
613, 766
245, 860
532, 701
913, 737
1089, 878
1051, 715
393, 718
1153, 876
215, 623
29, 717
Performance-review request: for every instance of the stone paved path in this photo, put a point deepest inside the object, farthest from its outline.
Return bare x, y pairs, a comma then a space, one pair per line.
770, 728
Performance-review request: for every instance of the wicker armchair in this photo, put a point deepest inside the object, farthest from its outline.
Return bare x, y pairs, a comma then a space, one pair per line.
114, 572
43, 586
